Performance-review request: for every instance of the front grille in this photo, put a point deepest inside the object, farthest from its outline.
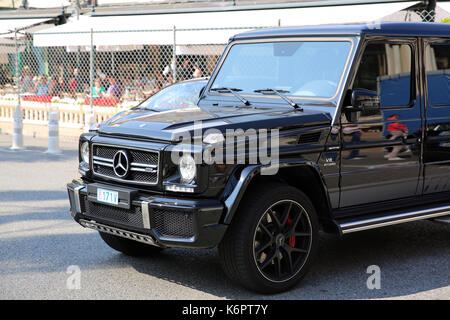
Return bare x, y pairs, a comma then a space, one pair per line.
131, 217
143, 164
174, 223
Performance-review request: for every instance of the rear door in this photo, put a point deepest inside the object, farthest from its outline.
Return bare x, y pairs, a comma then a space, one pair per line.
437, 99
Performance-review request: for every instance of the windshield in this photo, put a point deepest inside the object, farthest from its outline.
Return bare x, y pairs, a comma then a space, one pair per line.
180, 95
300, 68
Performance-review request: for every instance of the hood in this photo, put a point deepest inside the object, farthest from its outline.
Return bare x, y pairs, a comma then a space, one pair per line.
173, 124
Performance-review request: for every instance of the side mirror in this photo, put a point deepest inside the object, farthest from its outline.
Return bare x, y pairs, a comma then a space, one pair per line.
360, 100
363, 99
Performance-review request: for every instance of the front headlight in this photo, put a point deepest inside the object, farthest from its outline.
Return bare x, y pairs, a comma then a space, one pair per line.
188, 168
84, 152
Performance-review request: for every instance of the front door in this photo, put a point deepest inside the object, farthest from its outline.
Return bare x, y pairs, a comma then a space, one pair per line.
380, 157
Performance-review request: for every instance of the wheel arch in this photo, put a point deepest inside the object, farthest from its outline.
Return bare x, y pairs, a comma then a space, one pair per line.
303, 175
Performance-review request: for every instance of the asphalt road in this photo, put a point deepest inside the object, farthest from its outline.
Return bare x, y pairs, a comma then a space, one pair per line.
41, 247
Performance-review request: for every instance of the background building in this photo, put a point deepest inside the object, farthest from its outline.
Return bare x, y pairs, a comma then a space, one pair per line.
52, 52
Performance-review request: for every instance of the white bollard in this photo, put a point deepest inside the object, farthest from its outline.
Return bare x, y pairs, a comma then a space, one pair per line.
89, 120
17, 143
53, 131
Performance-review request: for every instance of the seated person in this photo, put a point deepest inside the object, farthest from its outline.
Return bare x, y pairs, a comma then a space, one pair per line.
42, 86
114, 91
27, 84
98, 90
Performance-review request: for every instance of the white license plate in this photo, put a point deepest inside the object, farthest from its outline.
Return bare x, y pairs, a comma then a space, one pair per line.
107, 196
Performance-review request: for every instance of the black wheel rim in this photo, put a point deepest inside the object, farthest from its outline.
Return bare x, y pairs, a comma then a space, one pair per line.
282, 241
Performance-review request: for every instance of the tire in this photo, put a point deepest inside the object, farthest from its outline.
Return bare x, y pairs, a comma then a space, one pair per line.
129, 247
272, 240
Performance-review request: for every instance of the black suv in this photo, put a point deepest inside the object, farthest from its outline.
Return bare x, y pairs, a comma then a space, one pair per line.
299, 130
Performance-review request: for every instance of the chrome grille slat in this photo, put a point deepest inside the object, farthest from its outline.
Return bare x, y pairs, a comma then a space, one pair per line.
143, 164
102, 159
135, 164
101, 163
142, 170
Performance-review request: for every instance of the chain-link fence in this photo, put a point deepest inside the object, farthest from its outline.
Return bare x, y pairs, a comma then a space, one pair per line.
426, 15
103, 80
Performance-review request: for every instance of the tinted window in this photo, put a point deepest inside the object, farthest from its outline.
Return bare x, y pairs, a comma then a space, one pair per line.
437, 64
386, 69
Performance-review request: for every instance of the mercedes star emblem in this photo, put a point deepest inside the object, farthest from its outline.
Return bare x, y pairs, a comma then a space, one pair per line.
121, 164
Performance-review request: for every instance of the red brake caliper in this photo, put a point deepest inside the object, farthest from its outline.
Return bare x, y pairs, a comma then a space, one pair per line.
291, 238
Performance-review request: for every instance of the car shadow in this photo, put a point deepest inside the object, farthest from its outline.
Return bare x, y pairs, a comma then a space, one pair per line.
412, 258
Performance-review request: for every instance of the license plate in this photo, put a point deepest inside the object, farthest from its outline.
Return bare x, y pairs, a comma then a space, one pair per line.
108, 196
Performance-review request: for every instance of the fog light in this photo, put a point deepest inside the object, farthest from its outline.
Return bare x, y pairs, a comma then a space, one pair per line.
175, 188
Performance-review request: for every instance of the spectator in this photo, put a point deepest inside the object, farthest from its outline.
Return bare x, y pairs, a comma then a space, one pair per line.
67, 77
53, 86
168, 73
115, 89
129, 80
27, 80
145, 76
60, 87
75, 84
185, 71
144, 80
4, 77
197, 72
396, 130
98, 90
100, 74
60, 70
42, 86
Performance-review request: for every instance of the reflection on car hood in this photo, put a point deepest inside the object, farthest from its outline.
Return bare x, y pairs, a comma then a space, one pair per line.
172, 125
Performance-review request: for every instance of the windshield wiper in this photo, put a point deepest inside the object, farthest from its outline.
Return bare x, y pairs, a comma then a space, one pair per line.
280, 94
233, 91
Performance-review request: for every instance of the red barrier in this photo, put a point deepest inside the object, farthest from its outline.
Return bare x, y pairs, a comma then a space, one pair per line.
43, 99
102, 102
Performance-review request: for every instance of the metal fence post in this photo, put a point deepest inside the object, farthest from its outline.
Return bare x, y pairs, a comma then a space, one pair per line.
17, 143
90, 116
174, 54
431, 8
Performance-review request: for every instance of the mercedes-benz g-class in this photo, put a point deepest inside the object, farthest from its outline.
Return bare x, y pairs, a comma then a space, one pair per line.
298, 130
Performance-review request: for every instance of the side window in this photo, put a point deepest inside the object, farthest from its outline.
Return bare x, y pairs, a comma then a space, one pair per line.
437, 66
386, 68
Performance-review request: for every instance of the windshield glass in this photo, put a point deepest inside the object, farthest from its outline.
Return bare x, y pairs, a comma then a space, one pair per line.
300, 68
180, 95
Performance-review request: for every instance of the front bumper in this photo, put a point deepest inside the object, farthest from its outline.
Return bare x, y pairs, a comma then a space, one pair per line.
151, 219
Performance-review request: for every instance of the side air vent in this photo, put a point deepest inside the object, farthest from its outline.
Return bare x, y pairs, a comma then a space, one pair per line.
307, 138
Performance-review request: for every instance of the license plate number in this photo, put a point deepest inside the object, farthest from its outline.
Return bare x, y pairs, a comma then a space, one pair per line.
108, 196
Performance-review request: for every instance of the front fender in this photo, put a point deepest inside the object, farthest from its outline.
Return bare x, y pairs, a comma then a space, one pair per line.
247, 174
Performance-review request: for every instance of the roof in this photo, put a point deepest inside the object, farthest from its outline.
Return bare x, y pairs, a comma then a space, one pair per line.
388, 28
201, 28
